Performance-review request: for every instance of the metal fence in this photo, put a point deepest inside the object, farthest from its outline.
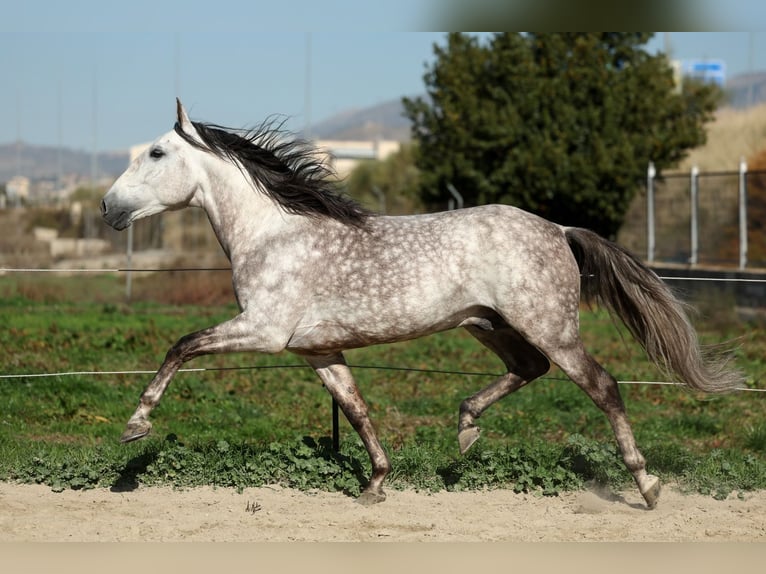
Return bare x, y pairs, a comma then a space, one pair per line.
692, 218
700, 218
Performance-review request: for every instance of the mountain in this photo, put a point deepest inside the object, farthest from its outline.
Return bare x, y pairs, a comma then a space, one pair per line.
42, 162
382, 121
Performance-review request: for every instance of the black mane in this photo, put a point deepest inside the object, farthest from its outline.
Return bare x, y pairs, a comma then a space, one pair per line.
288, 170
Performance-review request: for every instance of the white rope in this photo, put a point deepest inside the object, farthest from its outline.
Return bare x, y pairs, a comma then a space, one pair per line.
62, 270
107, 270
201, 370
143, 372
748, 389
722, 279
206, 369
176, 269
88, 373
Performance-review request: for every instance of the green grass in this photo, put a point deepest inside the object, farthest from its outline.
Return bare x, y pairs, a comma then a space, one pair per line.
263, 425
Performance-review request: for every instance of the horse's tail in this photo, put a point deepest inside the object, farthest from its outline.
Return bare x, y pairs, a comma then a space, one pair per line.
616, 279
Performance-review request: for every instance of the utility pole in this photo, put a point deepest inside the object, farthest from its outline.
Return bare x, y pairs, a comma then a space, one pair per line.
307, 93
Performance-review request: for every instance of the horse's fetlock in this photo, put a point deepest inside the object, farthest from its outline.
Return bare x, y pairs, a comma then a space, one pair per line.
467, 409
635, 462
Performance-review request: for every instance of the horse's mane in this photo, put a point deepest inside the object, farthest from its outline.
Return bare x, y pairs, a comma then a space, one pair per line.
289, 170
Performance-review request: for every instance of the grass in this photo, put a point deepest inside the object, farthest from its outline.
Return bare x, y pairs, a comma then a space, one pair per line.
261, 425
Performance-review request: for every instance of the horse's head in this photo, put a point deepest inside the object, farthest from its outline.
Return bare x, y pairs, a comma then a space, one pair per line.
161, 178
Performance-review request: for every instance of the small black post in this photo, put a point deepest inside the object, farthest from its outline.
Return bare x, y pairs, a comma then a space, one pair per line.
335, 432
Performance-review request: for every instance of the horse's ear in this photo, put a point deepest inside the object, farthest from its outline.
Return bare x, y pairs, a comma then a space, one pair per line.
183, 119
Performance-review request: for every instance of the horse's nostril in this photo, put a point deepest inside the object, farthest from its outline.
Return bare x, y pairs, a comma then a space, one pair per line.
103, 207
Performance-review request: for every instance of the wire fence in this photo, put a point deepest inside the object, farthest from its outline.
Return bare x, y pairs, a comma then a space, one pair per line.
296, 366
694, 217
9, 376
700, 217
75, 270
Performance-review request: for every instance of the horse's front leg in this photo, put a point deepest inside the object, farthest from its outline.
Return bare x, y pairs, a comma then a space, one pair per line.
339, 382
239, 334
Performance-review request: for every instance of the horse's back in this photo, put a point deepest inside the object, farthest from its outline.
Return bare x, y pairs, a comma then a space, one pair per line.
493, 239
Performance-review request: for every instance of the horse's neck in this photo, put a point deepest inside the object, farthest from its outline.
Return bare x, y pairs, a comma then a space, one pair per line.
241, 216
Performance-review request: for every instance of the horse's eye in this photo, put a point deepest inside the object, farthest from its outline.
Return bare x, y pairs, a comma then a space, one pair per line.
156, 153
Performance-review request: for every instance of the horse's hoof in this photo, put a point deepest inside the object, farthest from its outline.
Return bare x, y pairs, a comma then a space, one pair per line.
136, 430
651, 491
369, 498
467, 437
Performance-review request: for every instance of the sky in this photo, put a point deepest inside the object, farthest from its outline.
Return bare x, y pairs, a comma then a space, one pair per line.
104, 75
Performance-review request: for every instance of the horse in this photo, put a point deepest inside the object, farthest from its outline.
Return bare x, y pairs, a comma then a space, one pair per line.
315, 274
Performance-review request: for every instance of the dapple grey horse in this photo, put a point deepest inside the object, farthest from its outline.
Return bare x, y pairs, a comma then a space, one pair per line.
315, 274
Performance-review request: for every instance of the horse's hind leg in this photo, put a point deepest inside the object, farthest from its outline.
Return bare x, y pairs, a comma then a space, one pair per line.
337, 379
601, 387
524, 364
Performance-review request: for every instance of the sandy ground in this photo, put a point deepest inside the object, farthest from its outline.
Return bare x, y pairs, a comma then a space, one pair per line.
30, 513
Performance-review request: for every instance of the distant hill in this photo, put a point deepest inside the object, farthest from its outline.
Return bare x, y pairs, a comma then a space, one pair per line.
387, 120
381, 121
42, 162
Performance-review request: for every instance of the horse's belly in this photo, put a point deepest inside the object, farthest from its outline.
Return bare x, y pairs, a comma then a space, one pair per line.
333, 336
326, 336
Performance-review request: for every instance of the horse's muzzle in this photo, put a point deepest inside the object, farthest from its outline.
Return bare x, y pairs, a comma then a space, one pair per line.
116, 218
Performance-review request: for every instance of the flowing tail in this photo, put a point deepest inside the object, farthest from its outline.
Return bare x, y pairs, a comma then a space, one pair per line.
614, 278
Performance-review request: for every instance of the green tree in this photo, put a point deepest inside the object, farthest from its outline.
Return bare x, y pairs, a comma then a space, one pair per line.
563, 125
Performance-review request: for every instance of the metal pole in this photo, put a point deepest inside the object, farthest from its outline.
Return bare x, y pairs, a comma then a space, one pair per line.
335, 431
694, 216
456, 195
94, 152
307, 90
650, 174
380, 196
742, 213
128, 275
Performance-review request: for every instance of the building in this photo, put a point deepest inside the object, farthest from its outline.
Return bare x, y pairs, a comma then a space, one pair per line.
343, 156
17, 189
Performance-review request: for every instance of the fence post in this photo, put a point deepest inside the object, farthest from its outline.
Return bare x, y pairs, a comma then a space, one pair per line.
381, 197
650, 174
335, 427
457, 198
742, 213
128, 277
694, 216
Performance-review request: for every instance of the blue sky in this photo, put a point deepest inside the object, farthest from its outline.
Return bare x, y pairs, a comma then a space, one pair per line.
104, 75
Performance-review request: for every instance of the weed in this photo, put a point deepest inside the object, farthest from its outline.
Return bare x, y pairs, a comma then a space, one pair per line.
595, 461
240, 428
756, 438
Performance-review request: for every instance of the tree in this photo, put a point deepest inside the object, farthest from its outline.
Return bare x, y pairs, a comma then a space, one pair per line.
563, 125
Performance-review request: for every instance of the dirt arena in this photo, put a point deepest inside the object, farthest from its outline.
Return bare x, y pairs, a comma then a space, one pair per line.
30, 513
